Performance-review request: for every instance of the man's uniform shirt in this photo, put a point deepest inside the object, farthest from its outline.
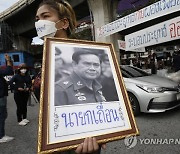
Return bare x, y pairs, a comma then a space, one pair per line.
73, 90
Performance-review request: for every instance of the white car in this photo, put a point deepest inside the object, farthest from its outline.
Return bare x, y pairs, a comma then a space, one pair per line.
174, 76
150, 93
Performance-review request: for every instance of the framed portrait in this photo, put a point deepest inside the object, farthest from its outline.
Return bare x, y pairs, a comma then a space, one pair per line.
82, 95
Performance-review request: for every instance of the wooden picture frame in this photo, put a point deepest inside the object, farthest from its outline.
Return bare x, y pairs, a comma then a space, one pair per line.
63, 127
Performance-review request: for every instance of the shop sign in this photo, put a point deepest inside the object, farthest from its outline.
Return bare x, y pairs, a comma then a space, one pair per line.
122, 46
163, 32
158, 9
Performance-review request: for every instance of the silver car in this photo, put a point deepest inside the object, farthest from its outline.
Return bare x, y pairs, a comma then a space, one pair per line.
150, 93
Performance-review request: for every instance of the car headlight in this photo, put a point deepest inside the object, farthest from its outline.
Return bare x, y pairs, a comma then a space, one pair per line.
151, 89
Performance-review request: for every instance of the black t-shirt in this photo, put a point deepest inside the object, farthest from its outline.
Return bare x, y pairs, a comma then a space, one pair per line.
20, 81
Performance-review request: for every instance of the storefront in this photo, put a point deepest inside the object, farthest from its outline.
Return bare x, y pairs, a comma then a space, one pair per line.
154, 27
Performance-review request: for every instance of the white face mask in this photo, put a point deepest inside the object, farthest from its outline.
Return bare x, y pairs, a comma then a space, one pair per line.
45, 28
23, 71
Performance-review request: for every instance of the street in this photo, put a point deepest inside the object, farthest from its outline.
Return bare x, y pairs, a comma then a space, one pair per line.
151, 126
25, 141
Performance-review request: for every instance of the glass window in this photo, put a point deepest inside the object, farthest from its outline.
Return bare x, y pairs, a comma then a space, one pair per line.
16, 58
132, 72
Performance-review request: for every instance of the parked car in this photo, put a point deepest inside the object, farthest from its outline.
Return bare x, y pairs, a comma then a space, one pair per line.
174, 76
150, 93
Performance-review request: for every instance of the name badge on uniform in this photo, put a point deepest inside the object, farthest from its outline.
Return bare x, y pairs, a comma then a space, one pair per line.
82, 98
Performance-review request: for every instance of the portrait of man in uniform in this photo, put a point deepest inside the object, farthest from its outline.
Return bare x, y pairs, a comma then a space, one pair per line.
82, 85
82, 94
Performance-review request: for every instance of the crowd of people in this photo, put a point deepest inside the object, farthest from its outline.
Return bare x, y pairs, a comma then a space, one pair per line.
167, 61
21, 85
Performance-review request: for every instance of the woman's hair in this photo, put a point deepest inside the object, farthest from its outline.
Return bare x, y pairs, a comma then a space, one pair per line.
64, 10
21, 66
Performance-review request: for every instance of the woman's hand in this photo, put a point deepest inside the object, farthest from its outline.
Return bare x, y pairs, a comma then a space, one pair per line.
89, 145
8, 60
7, 57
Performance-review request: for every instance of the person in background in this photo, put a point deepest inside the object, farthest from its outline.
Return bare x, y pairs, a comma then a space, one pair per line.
61, 69
57, 19
36, 83
3, 99
22, 85
107, 80
176, 60
153, 62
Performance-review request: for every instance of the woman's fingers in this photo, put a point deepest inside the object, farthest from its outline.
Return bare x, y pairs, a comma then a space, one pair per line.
85, 145
79, 149
89, 145
95, 144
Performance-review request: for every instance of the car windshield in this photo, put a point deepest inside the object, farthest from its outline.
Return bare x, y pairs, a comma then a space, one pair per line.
132, 72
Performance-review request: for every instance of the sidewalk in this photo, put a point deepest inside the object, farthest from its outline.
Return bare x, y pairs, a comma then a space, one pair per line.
25, 141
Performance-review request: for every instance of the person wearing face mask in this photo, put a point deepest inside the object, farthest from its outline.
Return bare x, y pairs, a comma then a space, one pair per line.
3, 99
22, 84
56, 18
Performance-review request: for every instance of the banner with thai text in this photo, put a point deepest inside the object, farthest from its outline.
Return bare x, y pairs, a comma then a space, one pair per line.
158, 9
122, 46
163, 32
75, 121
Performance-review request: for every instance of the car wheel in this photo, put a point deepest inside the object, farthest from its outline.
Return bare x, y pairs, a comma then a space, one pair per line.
134, 104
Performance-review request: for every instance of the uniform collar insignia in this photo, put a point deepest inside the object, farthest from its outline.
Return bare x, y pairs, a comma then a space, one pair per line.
79, 83
65, 82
